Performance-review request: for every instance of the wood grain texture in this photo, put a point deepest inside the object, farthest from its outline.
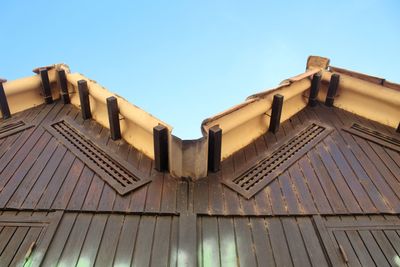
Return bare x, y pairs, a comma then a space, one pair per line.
323, 209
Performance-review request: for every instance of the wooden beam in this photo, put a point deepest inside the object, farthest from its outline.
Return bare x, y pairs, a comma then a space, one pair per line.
44, 76
160, 136
84, 98
113, 118
332, 89
5, 110
316, 81
62, 80
276, 113
214, 148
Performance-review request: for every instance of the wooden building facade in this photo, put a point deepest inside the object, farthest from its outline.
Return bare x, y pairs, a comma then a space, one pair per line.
306, 174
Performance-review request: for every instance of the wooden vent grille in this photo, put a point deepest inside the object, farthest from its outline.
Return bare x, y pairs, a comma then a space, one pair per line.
374, 136
118, 173
13, 128
259, 175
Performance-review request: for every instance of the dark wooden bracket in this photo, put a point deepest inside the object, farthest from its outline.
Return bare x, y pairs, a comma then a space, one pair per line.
5, 110
44, 76
62, 80
214, 148
84, 98
316, 81
332, 89
160, 136
276, 113
113, 118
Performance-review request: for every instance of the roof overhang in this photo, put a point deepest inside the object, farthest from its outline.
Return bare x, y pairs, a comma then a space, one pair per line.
370, 97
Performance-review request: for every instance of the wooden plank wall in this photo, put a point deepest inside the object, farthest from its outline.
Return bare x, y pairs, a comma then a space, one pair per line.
344, 175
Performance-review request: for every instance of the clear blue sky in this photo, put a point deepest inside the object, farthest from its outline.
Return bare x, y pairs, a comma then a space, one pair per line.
184, 61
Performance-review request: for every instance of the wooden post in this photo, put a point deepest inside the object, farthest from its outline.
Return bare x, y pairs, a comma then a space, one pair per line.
62, 80
333, 86
312, 99
160, 136
398, 128
214, 148
84, 98
113, 118
5, 110
44, 76
276, 113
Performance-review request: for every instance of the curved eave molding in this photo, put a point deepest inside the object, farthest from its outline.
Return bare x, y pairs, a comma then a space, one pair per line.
244, 123
364, 98
367, 96
136, 124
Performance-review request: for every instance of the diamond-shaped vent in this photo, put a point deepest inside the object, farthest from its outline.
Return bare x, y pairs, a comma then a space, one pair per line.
118, 173
374, 136
13, 128
255, 178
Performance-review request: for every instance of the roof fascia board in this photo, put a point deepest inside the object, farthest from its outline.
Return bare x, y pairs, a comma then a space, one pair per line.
190, 156
30, 90
361, 76
367, 96
244, 123
364, 98
366, 77
136, 124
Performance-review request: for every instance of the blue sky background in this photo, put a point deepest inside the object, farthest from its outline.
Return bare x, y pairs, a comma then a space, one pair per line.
184, 61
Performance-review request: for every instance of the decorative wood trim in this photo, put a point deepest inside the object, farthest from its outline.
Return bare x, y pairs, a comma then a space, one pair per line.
113, 118
276, 113
13, 128
377, 137
118, 173
256, 175
214, 148
332, 89
160, 136
5, 109
315, 84
84, 99
62, 80
44, 76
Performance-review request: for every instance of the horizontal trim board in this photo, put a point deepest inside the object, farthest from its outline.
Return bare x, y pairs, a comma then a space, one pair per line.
270, 166
374, 136
115, 171
363, 224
